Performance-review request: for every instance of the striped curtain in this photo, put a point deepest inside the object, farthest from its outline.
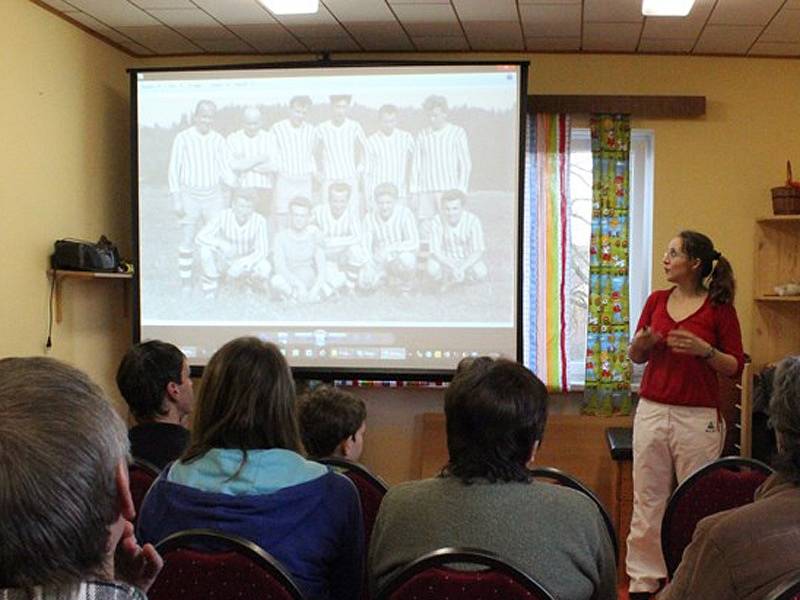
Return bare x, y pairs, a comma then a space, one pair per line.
547, 248
608, 372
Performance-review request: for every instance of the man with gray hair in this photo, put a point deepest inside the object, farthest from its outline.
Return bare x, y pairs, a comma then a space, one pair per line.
65, 504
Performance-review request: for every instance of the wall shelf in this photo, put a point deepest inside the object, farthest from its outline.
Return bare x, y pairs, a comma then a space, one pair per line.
776, 319
778, 219
776, 298
58, 277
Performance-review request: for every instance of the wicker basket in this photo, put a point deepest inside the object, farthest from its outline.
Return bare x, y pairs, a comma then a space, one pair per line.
786, 200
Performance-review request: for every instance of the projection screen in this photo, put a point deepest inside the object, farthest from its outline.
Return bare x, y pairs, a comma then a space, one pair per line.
364, 218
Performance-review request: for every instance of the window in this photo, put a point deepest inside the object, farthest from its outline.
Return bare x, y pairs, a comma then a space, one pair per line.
580, 218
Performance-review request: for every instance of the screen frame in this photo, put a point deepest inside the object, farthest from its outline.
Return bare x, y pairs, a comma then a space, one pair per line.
334, 373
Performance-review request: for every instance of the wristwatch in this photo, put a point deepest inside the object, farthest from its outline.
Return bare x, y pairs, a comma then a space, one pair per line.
711, 352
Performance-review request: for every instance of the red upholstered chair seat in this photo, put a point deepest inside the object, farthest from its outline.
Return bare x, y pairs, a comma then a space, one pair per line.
444, 582
371, 490
371, 497
724, 484
490, 577
240, 571
141, 476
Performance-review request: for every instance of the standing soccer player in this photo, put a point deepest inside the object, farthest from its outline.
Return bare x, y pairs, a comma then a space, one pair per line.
253, 157
389, 154
343, 147
299, 257
235, 244
441, 162
296, 141
457, 245
341, 238
392, 240
198, 165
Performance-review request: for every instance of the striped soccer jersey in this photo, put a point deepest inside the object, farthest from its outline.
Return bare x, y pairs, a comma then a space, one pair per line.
243, 147
460, 240
337, 232
441, 160
396, 234
251, 237
199, 161
339, 148
296, 147
388, 159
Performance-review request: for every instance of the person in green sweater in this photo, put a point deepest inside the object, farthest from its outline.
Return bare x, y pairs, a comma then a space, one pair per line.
485, 497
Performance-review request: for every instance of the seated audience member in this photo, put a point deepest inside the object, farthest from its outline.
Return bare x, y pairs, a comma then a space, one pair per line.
468, 361
485, 497
64, 498
153, 377
744, 553
244, 474
332, 423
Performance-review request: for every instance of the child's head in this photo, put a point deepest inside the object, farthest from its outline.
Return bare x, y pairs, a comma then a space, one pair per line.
332, 423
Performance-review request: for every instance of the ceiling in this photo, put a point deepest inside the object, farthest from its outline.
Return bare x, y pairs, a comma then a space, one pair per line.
170, 27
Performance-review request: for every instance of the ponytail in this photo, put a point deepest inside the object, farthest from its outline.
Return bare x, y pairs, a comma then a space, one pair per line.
722, 286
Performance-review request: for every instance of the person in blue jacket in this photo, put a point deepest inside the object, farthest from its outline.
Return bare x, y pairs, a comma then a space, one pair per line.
244, 473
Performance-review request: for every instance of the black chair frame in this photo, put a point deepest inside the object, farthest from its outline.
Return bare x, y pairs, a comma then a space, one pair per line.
446, 556
349, 465
569, 481
192, 538
731, 463
146, 466
787, 590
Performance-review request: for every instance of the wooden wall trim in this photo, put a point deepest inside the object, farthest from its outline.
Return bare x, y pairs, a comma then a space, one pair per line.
676, 107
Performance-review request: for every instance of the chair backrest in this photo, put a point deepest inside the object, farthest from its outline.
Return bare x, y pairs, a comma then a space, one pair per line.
371, 489
721, 485
560, 477
789, 589
431, 578
141, 475
202, 563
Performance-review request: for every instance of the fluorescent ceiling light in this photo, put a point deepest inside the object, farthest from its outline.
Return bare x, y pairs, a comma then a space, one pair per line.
666, 8
291, 7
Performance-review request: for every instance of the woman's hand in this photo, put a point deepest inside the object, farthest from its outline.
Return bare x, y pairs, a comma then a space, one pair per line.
685, 342
646, 338
641, 344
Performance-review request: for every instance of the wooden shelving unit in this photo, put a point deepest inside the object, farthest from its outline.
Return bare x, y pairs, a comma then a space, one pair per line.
776, 319
59, 276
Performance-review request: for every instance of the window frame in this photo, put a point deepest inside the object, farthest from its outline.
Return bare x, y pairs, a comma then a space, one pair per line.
641, 180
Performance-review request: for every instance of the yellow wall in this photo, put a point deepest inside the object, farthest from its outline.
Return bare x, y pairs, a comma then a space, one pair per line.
63, 173
64, 164
712, 174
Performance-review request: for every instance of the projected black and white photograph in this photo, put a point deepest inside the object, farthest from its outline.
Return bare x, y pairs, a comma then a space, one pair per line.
351, 197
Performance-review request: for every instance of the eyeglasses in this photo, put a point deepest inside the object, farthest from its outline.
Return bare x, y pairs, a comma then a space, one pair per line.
672, 254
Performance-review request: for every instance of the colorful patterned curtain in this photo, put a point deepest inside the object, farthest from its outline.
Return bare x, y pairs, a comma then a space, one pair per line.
546, 210
608, 372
